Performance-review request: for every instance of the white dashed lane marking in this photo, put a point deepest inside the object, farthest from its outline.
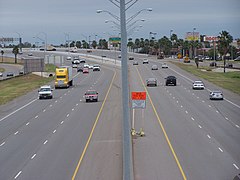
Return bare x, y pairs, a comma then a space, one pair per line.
37, 116
2, 144
67, 115
54, 131
18, 174
200, 126
45, 142
16, 133
220, 149
27, 124
192, 118
236, 166
33, 156
62, 122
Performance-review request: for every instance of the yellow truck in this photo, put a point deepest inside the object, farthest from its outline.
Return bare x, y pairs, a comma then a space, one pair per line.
64, 77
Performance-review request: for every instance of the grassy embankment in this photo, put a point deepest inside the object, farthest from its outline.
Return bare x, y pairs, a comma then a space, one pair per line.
228, 80
18, 86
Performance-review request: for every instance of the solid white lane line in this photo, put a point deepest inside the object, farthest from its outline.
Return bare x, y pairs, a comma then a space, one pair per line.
54, 131
33, 156
18, 110
192, 118
45, 142
2, 144
62, 122
18, 174
200, 126
236, 166
220, 149
209, 136
27, 124
16, 133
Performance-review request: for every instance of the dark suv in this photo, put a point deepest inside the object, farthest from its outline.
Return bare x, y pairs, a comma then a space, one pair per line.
171, 80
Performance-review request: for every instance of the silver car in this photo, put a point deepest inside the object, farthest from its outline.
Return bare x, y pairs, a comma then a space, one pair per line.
198, 85
216, 95
151, 82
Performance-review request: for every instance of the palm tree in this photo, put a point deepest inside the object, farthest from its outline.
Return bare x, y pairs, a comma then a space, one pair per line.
15, 51
224, 43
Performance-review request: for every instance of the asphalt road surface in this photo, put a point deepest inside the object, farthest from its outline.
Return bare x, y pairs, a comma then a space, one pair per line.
187, 136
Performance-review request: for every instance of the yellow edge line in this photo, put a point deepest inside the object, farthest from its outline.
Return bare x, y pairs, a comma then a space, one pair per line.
90, 136
162, 127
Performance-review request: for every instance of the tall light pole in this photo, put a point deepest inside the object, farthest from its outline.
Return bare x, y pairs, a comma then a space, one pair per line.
193, 49
170, 40
127, 149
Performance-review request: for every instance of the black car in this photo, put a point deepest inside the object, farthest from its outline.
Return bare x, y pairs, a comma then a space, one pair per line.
10, 74
171, 80
79, 68
212, 64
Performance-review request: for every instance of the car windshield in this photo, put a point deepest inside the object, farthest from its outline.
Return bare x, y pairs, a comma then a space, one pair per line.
91, 93
45, 89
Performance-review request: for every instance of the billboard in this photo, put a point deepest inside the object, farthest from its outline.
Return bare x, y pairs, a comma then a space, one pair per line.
211, 38
192, 36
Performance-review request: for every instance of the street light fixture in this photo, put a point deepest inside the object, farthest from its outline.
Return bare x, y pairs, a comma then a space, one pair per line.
129, 26
113, 15
135, 15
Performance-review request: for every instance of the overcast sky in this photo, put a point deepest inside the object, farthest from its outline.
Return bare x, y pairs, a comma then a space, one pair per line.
79, 19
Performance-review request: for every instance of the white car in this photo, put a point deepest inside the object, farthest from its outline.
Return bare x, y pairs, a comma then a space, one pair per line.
86, 65
74, 65
216, 95
69, 58
198, 85
90, 66
1, 74
164, 65
45, 92
145, 61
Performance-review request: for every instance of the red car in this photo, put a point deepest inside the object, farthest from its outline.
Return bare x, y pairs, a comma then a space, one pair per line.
85, 70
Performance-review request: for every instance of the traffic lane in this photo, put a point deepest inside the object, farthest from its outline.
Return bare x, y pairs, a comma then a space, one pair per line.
218, 120
22, 146
16, 114
103, 158
185, 81
180, 101
152, 151
66, 140
20, 117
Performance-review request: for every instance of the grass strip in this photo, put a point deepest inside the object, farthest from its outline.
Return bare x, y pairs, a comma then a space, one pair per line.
18, 86
228, 80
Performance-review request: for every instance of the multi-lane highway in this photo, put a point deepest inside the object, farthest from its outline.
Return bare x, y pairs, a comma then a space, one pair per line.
187, 136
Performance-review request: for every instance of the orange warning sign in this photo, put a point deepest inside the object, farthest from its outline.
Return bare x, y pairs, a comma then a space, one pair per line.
138, 95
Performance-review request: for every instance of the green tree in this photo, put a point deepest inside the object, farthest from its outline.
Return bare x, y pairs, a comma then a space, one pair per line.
78, 44
2, 52
72, 44
94, 44
223, 44
137, 44
15, 51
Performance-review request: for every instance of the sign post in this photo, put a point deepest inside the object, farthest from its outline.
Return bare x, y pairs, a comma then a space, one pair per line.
138, 102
